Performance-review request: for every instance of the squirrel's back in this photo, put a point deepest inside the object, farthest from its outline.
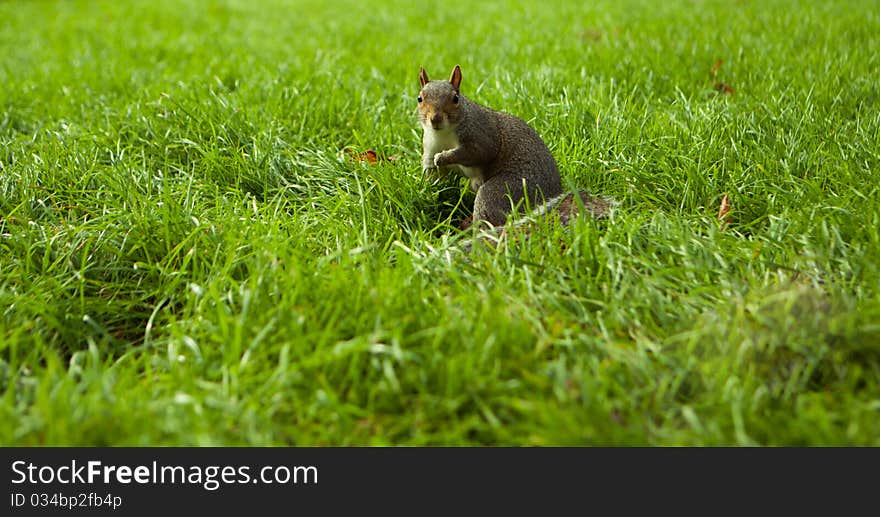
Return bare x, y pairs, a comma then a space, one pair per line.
525, 154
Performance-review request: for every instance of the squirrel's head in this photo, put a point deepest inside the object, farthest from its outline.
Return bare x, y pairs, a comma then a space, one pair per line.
440, 101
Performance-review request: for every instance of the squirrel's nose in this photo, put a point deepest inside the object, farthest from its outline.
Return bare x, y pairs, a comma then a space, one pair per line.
436, 120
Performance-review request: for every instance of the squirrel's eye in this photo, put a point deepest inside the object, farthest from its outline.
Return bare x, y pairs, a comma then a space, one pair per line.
419, 98
455, 99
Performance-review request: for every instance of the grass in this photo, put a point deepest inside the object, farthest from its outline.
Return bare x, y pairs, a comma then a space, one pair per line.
188, 258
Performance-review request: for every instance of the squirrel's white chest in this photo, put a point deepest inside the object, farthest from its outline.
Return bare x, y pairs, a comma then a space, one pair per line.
439, 140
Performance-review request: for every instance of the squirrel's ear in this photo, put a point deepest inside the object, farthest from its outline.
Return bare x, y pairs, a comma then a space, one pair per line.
455, 78
423, 76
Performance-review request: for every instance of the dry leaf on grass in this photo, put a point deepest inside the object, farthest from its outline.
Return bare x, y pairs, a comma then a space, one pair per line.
369, 156
720, 86
715, 67
724, 211
591, 33
724, 88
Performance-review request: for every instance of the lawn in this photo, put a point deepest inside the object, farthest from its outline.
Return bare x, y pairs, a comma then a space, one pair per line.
193, 252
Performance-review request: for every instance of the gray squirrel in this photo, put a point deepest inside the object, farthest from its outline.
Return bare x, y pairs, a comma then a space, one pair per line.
503, 157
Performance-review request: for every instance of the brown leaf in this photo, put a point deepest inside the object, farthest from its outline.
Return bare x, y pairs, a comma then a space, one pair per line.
724, 88
724, 210
369, 156
591, 33
715, 67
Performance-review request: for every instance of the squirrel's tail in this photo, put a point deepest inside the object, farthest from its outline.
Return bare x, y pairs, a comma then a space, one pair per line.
569, 205
563, 208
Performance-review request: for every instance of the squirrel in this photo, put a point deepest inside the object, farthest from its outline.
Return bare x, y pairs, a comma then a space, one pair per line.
504, 158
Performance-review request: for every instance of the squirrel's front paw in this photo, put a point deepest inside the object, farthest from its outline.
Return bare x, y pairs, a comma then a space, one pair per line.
441, 159
428, 169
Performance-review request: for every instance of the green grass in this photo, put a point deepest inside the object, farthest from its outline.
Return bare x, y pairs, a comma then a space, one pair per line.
188, 258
